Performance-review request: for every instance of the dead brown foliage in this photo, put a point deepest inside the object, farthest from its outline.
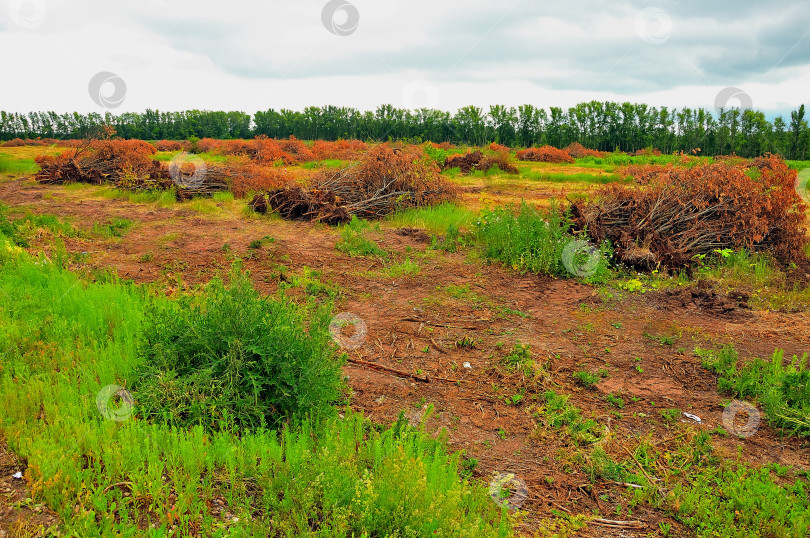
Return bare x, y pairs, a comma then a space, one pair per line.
545, 154
577, 151
476, 160
384, 180
685, 212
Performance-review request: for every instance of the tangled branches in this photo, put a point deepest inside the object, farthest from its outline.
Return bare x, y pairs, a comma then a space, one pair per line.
686, 212
385, 180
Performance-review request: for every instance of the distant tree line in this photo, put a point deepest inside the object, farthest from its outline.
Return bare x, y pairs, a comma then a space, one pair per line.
605, 126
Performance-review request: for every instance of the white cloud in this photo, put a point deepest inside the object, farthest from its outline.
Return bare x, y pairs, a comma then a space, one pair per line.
242, 55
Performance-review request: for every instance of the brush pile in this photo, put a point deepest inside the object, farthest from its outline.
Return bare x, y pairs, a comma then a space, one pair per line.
385, 180
129, 164
545, 154
577, 151
685, 213
478, 161
104, 161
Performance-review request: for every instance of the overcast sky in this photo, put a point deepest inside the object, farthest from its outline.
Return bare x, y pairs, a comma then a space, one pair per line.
241, 55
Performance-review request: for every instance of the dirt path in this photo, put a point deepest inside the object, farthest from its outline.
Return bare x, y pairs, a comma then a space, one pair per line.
458, 310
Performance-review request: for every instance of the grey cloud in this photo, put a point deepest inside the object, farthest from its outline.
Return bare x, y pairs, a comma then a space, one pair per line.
706, 45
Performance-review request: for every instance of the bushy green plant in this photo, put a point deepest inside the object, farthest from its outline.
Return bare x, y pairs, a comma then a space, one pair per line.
232, 357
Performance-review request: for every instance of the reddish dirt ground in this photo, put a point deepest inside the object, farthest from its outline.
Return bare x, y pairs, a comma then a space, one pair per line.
415, 323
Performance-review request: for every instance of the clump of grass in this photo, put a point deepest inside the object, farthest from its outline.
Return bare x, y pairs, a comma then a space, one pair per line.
615, 401
259, 243
434, 219
586, 379
354, 241
231, 357
310, 280
451, 241
224, 196
117, 228
530, 240
520, 357
406, 268
782, 388
20, 230
557, 413
599, 179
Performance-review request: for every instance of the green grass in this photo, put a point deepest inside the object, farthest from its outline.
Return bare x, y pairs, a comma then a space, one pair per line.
586, 379
530, 240
162, 199
17, 165
782, 387
326, 163
115, 228
599, 179
434, 219
405, 268
559, 414
206, 206
222, 197
21, 230
354, 241
63, 340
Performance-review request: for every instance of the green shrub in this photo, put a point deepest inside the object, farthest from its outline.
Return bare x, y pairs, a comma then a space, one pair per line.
231, 357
